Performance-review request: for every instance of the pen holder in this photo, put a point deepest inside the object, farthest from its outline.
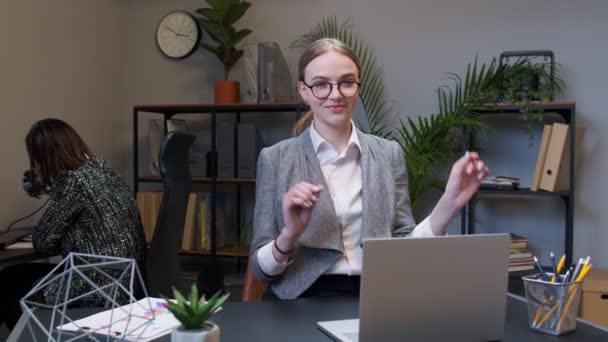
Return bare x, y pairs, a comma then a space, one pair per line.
552, 307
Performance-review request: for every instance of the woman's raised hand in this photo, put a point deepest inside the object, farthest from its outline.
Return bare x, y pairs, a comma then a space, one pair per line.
298, 204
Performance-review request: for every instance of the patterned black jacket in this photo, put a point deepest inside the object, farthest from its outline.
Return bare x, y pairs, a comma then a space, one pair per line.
92, 211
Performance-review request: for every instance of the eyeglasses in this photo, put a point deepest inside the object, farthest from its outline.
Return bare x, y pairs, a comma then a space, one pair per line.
322, 90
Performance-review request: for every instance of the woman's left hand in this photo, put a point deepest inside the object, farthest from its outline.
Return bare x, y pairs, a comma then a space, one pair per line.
465, 178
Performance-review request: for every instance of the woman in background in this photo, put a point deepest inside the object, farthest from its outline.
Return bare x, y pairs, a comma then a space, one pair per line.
321, 193
91, 211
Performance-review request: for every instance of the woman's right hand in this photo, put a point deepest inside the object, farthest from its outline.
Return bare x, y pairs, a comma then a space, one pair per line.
298, 204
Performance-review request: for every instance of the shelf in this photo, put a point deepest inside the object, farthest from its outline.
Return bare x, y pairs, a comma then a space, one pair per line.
157, 179
225, 108
522, 192
565, 108
228, 251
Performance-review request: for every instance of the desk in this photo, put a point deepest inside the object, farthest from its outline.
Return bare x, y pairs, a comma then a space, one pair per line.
9, 257
295, 320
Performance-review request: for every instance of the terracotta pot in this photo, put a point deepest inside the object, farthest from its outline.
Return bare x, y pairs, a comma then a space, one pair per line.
209, 333
226, 92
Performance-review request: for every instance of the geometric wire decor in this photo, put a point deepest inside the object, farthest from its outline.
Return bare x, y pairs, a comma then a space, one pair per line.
110, 282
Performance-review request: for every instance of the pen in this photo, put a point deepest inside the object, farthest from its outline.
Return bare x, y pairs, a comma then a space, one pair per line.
555, 273
577, 268
565, 280
540, 268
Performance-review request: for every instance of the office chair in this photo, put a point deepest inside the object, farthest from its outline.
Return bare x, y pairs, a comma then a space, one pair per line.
162, 262
253, 288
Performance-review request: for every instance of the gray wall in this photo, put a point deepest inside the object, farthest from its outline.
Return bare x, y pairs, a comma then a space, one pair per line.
63, 59
93, 60
416, 41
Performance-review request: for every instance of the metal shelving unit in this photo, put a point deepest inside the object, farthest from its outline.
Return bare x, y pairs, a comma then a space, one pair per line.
168, 111
566, 110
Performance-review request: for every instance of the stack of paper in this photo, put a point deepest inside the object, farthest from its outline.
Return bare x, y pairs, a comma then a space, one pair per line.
145, 320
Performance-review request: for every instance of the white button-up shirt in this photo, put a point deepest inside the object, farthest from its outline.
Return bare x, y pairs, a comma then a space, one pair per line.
342, 173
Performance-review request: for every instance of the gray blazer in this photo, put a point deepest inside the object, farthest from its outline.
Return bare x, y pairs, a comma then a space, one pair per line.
386, 206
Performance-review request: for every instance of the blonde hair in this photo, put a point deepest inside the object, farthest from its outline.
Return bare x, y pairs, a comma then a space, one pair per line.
314, 50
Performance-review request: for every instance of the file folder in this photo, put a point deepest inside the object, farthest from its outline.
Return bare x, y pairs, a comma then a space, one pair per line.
542, 156
556, 174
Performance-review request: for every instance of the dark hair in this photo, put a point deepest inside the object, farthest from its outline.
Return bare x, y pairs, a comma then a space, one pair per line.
314, 50
54, 146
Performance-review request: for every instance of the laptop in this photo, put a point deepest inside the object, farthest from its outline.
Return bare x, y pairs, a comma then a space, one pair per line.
14, 235
448, 288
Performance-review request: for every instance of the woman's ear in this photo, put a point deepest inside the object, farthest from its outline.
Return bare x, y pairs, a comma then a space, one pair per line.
302, 91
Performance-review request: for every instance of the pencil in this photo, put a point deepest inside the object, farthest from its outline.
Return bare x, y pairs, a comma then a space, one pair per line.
571, 294
560, 265
549, 313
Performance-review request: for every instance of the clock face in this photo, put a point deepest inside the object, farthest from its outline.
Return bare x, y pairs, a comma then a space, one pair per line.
178, 34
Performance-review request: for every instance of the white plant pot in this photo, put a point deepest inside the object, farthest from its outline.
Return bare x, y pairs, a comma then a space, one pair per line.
209, 333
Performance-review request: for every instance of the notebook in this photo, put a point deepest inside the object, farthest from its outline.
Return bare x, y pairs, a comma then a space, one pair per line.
449, 288
14, 235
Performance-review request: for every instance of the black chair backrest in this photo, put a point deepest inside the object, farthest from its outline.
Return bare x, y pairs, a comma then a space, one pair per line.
163, 259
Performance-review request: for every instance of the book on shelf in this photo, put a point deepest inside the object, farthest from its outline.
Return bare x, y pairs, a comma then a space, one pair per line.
518, 242
148, 204
520, 258
521, 267
225, 235
500, 183
189, 236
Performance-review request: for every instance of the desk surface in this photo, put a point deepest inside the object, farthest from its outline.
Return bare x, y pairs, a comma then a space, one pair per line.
9, 257
296, 321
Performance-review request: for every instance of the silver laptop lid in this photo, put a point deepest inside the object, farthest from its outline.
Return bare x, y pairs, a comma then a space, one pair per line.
450, 288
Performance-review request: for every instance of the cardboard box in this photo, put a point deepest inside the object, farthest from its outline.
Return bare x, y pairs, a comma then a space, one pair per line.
594, 303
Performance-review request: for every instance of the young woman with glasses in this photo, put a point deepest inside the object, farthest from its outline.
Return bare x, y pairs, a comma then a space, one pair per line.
321, 193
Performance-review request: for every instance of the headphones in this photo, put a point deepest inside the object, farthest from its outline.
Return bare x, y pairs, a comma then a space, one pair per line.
36, 188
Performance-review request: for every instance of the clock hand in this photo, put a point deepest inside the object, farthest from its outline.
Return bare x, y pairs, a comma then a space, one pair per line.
176, 33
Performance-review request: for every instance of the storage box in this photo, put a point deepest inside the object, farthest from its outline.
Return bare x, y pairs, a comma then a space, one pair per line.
594, 305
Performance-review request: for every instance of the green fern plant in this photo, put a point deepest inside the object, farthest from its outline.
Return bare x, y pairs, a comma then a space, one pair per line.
193, 312
430, 142
371, 93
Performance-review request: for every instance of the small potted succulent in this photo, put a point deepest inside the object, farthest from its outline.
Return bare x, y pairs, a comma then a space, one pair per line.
193, 314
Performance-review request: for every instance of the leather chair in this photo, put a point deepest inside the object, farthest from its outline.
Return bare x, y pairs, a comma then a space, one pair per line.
162, 261
253, 288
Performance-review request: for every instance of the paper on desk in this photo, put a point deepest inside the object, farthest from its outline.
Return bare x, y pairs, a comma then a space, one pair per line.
20, 245
138, 326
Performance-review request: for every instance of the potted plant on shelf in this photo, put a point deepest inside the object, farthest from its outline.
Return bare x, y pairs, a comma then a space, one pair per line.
218, 21
193, 314
527, 83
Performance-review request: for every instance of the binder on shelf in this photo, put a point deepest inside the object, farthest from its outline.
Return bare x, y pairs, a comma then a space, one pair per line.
265, 76
542, 155
249, 84
555, 176
225, 149
249, 147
